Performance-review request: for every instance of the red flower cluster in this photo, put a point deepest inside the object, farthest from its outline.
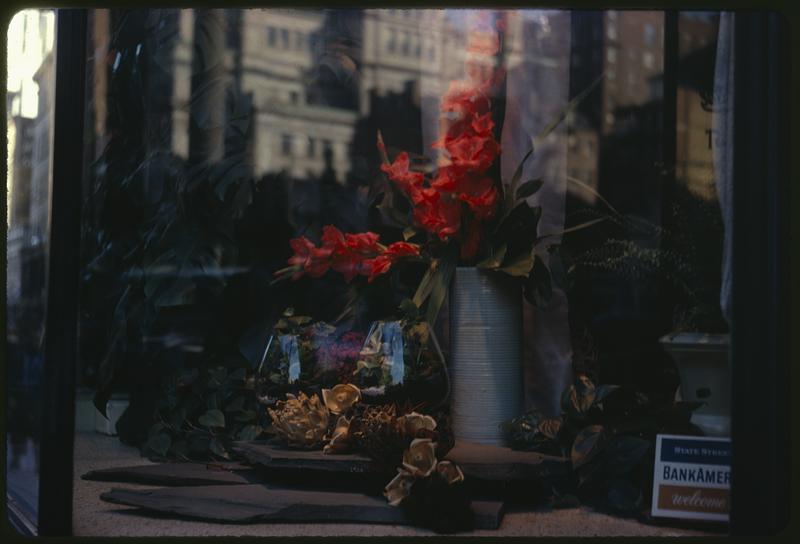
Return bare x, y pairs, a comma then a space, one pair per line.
471, 149
349, 254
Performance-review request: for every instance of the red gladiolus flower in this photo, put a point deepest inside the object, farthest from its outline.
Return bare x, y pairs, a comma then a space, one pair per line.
483, 125
483, 43
350, 265
334, 239
441, 217
482, 204
471, 153
377, 266
401, 249
399, 173
465, 99
446, 180
313, 260
365, 242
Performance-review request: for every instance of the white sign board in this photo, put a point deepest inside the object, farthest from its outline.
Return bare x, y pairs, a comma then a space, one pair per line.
692, 477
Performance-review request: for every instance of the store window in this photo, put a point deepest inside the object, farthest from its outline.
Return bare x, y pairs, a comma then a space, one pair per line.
523, 247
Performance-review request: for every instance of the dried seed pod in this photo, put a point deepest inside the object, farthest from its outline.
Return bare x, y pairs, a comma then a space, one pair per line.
301, 421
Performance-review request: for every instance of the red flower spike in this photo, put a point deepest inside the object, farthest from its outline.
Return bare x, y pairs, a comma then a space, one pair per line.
377, 266
313, 261
399, 173
401, 249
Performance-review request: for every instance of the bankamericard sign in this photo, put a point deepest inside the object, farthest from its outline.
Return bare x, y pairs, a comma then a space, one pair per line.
692, 478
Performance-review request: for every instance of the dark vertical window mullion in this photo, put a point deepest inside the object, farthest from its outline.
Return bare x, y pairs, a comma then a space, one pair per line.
759, 358
669, 141
55, 482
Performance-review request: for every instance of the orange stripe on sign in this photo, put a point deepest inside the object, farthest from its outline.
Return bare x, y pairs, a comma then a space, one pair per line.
694, 499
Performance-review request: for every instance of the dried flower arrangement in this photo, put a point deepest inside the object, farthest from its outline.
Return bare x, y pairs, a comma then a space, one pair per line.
340, 423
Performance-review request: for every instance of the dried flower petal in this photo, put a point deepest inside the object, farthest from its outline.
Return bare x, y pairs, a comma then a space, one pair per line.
399, 488
420, 457
413, 422
450, 472
340, 442
341, 397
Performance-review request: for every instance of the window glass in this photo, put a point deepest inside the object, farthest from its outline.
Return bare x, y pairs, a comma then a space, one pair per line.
30, 89
215, 164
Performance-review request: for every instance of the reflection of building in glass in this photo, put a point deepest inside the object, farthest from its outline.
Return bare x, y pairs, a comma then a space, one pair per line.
694, 165
28, 106
310, 75
627, 48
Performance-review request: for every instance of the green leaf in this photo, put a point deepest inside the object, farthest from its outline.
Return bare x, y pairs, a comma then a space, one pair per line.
574, 228
180, 448
441, 282
160, 443
587, 445
529, 188
409, 233
625, 453
187, 377
512, 190
217, 448
249, 432
156, 428
409, 309
238, 375
246, 415
390, 214
520, 223
538, 288
569, 108
425, 285
495, 259
199, 443
578, 397
212, 418
602, 391
624, 497
236, 404
519, 266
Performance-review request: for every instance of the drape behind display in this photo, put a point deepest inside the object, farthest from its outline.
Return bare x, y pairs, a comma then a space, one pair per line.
723, 148
536, 90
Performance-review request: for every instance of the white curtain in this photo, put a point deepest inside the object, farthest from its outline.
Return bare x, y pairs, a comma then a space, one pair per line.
537, 89
723, 127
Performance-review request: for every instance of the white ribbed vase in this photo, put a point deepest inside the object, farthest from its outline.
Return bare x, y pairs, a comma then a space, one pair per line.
486, 354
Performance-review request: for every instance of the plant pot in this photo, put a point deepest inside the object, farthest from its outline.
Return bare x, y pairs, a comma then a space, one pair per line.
115, 407
486, 354
704, 368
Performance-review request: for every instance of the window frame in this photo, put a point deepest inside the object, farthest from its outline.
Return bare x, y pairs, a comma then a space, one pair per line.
761, 236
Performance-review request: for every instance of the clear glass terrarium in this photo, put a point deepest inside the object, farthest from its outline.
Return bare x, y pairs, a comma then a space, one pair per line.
401, 361
284, 365
310, 358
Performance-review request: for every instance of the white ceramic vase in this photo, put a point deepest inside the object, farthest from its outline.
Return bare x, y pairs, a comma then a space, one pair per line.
486, 354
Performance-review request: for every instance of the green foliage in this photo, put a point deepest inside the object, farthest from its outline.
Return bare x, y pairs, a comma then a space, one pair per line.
608, 433
686, 257
202, 411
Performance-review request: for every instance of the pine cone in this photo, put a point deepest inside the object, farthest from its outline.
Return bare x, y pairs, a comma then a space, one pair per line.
377, 433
